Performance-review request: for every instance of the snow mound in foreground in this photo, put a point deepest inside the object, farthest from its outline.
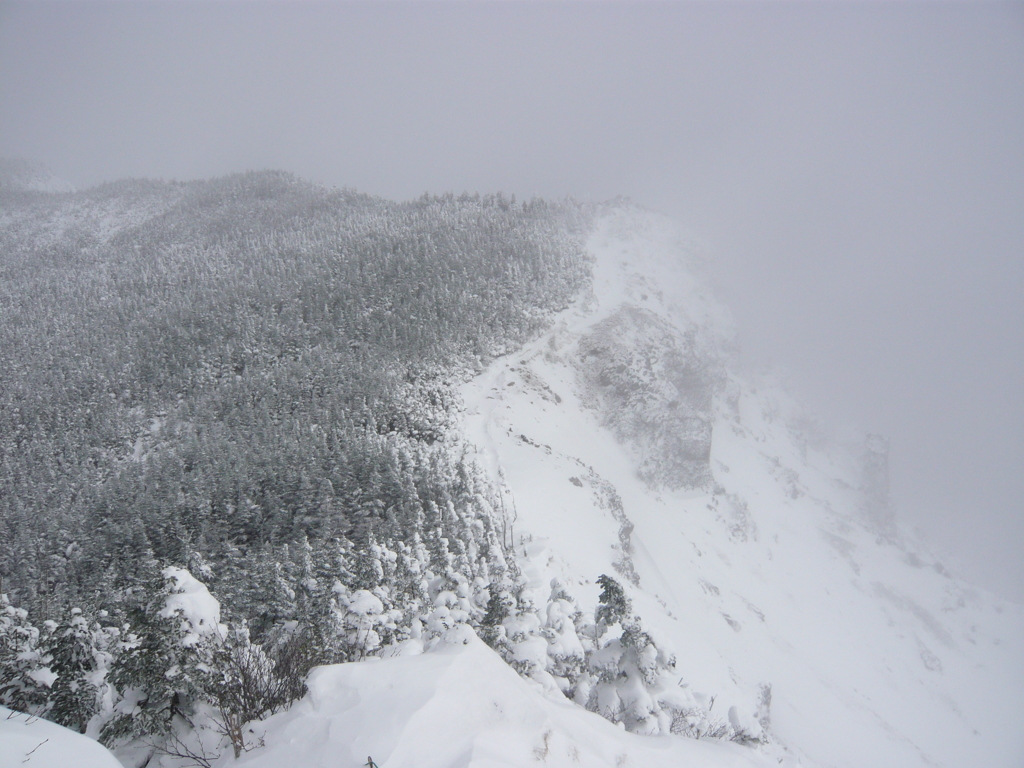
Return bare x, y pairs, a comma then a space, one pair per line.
35, 743
459, 706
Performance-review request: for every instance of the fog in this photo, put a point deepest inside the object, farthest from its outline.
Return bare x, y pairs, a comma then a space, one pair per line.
855, 173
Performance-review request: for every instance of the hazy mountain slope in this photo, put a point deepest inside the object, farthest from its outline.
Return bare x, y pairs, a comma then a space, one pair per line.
173, 352
18, 175
772, 573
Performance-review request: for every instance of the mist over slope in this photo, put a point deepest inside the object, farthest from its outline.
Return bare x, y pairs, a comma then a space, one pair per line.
771, 560
252, 426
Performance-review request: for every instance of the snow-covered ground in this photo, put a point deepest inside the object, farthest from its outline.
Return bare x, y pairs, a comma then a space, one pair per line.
28, 742
459, 706
774, 576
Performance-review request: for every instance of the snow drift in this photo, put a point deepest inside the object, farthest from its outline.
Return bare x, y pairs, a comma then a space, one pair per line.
35, 743
459, 706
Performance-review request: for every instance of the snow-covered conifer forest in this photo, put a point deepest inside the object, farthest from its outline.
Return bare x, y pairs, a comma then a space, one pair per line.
296, 476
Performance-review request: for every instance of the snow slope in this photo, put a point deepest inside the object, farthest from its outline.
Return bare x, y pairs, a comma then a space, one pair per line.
459, 707
772, 574
35, 743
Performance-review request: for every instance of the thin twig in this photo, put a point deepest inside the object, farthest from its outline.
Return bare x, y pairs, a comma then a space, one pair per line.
37, 746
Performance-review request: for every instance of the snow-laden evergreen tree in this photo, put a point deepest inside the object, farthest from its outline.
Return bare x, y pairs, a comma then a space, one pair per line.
25, 667
627, 678
164, 658
74, 694
361, 620
566, 652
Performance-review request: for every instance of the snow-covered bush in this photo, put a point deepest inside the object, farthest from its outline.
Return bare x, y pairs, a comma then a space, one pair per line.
360, 615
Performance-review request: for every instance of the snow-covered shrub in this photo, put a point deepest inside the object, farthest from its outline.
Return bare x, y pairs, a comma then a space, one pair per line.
360, 615
244, 684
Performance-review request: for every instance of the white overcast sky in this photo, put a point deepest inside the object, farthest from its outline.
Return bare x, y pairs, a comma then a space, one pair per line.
856, 170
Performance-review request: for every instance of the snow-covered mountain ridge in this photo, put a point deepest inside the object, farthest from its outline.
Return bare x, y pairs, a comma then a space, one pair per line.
787, 611
770, 573
789, 602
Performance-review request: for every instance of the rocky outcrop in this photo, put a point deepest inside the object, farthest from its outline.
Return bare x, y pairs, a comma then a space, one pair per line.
653, 390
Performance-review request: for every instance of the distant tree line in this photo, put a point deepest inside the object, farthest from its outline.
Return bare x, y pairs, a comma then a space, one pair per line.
231, 365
